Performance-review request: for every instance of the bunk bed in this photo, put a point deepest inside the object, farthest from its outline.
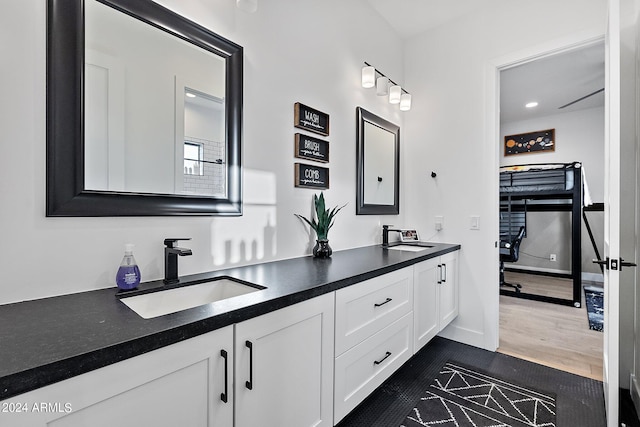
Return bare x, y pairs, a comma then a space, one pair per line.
550, 187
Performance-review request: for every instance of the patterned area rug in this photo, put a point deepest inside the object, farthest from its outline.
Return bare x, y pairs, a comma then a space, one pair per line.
466, 397
594, 297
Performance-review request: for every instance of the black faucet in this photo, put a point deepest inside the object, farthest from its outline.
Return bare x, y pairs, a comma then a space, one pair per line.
385, 235
171, 253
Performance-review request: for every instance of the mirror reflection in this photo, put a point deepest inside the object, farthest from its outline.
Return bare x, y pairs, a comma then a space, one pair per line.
378, 164
154, 109
379, 148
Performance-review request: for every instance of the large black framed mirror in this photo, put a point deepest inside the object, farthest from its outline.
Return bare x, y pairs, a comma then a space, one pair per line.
378, 165
155, 130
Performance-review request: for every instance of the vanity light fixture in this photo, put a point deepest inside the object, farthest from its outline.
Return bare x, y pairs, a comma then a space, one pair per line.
385, 86
405, 102
368, 76
531, 104
395, 92
382, 86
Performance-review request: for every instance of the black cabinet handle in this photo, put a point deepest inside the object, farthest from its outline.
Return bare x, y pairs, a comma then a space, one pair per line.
224, 396
249, 383
377, 362
439, 273
383, 303
445, 273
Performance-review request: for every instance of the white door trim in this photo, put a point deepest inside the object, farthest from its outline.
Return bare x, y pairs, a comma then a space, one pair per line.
492, 138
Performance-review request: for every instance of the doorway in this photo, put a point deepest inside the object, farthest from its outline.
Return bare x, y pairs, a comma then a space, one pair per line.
552, 132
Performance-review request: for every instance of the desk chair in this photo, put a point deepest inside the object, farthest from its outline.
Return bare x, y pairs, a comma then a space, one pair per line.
509, 252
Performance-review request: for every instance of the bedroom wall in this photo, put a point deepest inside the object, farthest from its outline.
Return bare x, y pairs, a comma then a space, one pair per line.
447, 71
579, 137
314, 57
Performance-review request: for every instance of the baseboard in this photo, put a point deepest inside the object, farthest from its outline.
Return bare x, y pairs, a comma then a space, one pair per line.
527, 269
585, 277
465, 336
635, 392
596, 278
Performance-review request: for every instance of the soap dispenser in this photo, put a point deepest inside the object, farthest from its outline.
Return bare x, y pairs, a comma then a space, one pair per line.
128, 276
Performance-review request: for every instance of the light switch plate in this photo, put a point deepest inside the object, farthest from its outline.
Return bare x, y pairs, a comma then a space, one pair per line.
475, 222
439, 221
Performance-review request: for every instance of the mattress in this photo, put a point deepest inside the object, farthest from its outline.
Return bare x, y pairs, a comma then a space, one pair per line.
537, 178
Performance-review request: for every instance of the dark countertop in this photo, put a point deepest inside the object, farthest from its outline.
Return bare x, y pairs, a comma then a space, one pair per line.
51, 339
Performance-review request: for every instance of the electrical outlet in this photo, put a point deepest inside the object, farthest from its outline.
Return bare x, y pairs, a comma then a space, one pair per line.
439, 220
552, 257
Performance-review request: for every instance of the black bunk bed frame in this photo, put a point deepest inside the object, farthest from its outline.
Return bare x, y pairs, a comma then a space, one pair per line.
545, 190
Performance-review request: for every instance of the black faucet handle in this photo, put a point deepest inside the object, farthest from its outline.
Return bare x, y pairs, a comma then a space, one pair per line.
387, 226
170, 243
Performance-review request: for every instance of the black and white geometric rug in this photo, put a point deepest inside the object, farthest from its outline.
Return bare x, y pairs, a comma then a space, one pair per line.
466, 397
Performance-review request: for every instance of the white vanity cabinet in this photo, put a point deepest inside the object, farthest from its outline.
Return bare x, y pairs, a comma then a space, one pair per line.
374, 336
435, 296
284, 366
183, 384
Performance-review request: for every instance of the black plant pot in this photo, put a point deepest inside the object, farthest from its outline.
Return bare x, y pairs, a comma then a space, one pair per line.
322, 249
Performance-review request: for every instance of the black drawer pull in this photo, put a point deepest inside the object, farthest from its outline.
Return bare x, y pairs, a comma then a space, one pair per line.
383, 303
249, 383
224, 396
377, 362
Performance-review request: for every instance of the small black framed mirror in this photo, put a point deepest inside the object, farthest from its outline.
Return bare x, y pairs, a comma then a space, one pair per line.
378, 165
118, 142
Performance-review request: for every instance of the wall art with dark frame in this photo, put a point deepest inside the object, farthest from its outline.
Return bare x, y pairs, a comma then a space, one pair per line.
311, 176
310, 148
310, 119
530, 142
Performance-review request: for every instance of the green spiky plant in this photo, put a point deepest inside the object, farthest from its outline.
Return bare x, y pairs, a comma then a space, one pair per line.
325, 217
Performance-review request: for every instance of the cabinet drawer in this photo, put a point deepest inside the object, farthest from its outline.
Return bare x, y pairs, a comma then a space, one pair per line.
365, 308
363, 368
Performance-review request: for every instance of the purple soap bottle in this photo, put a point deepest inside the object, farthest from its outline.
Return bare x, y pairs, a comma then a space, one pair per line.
128, 276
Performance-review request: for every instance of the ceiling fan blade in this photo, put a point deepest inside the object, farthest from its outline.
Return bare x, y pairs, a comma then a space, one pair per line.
580, 99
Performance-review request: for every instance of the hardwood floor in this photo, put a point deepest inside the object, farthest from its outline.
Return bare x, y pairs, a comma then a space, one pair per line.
549, 334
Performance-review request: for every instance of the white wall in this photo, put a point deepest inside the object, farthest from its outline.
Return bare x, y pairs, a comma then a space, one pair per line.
295, 51
579, 137
451, 72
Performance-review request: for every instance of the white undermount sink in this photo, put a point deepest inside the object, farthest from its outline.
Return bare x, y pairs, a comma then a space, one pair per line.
410, 248
173, 300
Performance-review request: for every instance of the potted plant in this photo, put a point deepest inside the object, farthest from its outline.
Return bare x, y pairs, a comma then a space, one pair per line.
321, 226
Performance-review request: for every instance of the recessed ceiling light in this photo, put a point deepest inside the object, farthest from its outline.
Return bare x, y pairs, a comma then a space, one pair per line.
531, 104
190, 95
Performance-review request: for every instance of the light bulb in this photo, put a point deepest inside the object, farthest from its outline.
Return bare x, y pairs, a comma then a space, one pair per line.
394, 94
405, 102
382, 86
368, 76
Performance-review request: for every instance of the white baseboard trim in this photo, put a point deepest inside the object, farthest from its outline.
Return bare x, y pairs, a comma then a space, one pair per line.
593, 277
635, 392
585, 277
465, 336
539, 269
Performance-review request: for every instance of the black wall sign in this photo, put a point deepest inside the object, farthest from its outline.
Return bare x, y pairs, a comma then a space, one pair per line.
308, 147
310, 119
308, 176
